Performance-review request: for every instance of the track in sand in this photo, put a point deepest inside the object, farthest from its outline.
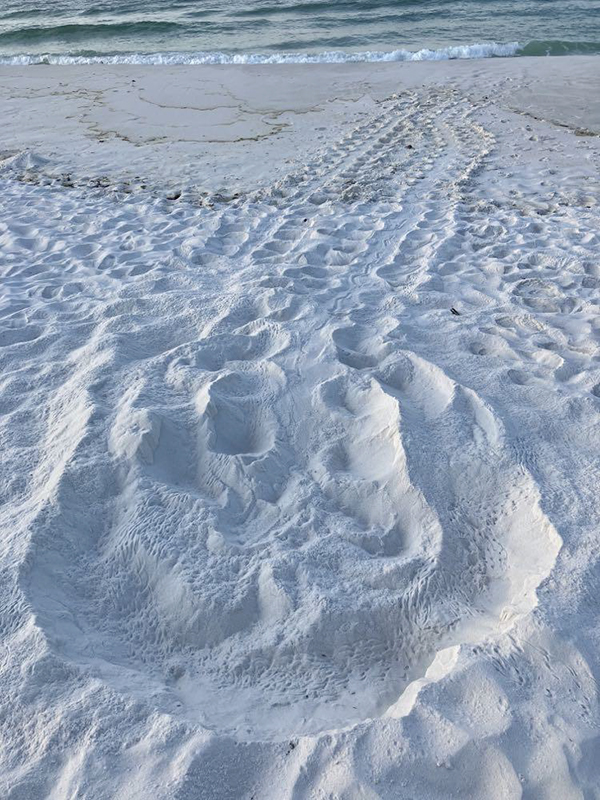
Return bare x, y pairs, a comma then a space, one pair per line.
253, 494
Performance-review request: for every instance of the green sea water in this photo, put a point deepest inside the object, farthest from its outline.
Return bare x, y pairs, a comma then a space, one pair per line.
213, 31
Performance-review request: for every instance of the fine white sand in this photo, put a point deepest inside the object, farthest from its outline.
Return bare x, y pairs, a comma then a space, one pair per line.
300, 423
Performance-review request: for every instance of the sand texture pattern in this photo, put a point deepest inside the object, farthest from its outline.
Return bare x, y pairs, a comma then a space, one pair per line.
300, 434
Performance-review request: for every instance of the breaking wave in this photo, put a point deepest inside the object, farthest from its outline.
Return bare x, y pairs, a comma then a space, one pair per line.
481, 50
484, 50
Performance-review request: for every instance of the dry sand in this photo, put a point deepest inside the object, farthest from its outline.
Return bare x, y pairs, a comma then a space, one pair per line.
299, 418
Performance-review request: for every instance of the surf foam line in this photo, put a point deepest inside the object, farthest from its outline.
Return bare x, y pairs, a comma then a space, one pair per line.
483, 50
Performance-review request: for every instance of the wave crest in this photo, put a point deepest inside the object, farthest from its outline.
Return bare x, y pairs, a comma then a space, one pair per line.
483, 50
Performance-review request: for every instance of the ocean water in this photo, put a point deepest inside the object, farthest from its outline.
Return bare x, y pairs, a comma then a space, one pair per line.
259, 31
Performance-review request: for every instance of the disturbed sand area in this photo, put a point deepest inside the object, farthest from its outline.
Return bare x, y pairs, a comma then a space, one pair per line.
299, 409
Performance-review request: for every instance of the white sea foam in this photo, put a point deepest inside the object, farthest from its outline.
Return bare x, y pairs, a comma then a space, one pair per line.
481, 50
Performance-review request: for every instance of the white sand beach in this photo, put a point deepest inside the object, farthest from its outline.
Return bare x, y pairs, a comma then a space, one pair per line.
300, 427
